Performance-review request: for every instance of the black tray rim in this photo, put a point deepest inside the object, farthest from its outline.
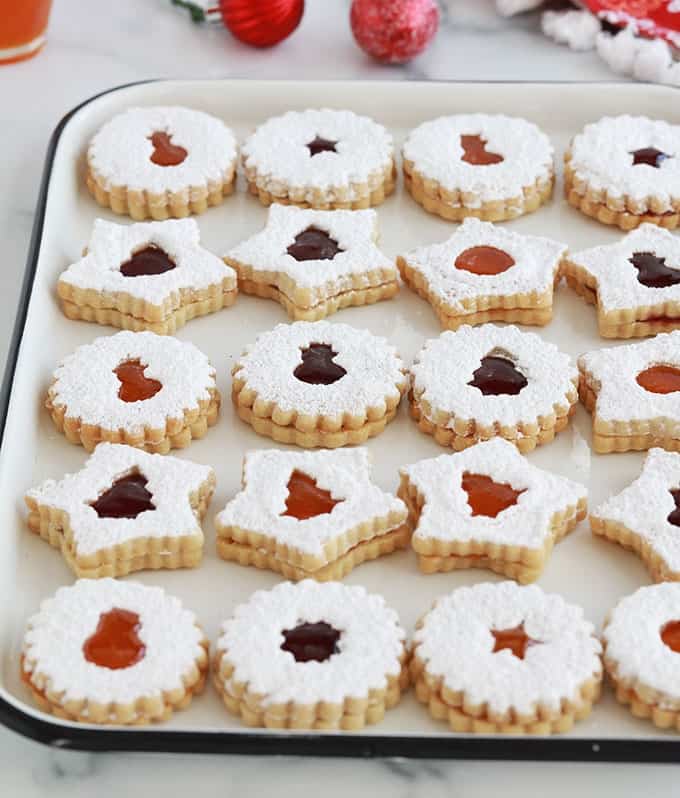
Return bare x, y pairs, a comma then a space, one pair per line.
445, 746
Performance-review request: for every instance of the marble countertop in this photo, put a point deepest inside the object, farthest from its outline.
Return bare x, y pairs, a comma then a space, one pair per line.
90, 50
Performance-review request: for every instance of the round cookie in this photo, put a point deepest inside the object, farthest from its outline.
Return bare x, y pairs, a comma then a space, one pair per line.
161, 161
490, 166
327, 656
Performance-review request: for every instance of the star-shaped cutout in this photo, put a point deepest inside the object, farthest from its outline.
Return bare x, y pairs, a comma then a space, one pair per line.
485, 273
633, 393
315, 262
303, 513
128, 502
644, 517
160, 263
649, 156
473, 508
634, 282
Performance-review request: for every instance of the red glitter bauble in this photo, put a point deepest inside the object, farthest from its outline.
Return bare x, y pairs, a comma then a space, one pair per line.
261, 23
394, 31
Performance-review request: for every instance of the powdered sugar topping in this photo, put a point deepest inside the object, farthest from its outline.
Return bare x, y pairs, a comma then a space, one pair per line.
445, 366
436, 152
111, 245
455, 642
120, 152
374, 370
369, 648
536, 262
86, 385
53, 644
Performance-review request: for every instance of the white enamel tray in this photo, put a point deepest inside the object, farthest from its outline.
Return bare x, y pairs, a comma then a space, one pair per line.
589, 572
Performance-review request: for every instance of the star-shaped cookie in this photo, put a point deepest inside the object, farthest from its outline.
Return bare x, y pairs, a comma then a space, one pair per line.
633, 393
488, 507
148, 276
645, 516
486, 273
315, 262
310, 514
125, 510
635, 283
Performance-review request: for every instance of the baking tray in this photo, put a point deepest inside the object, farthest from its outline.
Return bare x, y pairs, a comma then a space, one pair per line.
590, 572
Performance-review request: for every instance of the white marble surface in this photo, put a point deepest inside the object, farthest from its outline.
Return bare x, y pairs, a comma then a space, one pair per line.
93, 46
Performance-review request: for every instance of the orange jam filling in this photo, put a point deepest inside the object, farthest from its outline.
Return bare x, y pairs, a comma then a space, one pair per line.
660, 379
475, 152
515, 639
487, 497
484, 260
670, 634
306, 499
134, 386
165, 153
115, 643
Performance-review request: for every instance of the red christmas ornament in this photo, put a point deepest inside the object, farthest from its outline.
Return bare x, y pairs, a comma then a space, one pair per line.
394, 31
259, 23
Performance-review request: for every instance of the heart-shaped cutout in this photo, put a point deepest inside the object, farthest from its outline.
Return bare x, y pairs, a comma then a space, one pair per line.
165, 153
475, 152
314, 244
149, 260
134, 386
515, 640
498, 375
311, 641
317, 367
126, 498
115, 643
660, 379
652, 270
306, 499
487, 497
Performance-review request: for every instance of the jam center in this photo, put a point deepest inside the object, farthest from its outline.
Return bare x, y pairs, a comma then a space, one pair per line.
652, 270
126, 498
165, 153
317, 367
484, 260
314, 244
670, 634
475, 152
515, 639
150, 260
115, 643
306, 499
660, 379
674, 515
649, 156
311, 641
134, 386
498, 375
487, 497
320, 144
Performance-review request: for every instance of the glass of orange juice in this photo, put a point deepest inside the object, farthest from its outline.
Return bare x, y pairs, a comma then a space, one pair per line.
23, 24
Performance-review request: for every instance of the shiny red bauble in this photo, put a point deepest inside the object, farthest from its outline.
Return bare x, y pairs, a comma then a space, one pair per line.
394, 31
261, 23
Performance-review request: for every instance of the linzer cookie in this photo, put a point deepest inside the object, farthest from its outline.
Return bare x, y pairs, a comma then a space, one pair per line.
311, 656
488, 507
111, 652
625, 170
485, 273
641, 640
149, 391
645, 516
633, 393
493, 167
315, 262
503, 659
320, 159
125, 511
160, 162
147, 276
634, 283
310, 514
317, 384
485, 382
